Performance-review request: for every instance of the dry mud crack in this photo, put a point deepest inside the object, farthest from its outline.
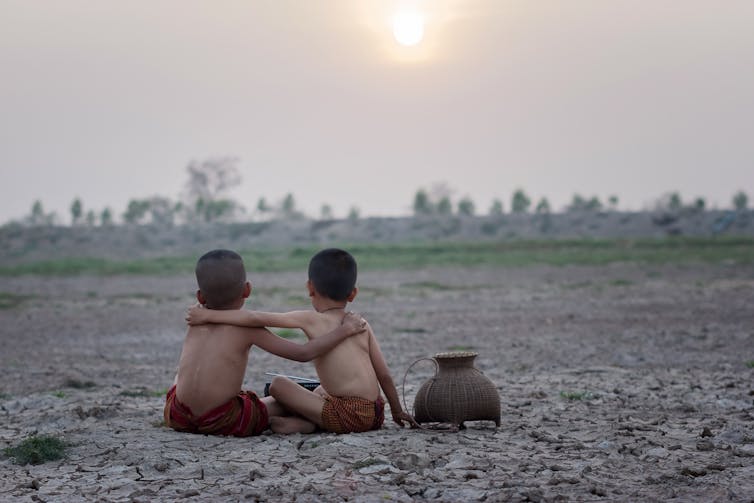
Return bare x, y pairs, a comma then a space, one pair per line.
619, 383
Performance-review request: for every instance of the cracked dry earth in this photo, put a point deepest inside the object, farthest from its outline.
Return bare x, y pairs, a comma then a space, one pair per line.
618, 383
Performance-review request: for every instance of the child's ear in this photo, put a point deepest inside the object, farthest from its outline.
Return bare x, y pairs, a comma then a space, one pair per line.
353, 294
310, 288
200, 298
246, 290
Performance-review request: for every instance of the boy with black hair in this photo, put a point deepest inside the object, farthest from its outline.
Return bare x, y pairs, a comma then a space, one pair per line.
351, 374
206, 396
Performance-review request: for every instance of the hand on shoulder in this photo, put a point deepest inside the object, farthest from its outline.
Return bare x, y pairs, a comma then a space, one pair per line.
354, 323
196, 315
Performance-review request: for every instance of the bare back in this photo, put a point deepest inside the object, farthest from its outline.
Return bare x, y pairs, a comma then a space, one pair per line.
212, 366
346, 370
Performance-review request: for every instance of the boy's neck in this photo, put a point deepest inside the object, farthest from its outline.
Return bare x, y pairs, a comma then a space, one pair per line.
322, 305
235, 306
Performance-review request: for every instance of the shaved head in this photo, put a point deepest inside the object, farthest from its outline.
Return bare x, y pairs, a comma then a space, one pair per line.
333, 273
221, 277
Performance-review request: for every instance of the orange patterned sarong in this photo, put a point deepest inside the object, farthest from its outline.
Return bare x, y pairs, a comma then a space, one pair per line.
352, 414
242, 416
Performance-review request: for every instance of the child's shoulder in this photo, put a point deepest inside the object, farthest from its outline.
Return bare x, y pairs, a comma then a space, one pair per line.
305, 314
305, 317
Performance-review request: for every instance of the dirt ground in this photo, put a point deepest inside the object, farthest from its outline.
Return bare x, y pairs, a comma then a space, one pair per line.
618, 383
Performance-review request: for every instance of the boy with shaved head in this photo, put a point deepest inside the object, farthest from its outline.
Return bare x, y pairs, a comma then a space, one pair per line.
206, 396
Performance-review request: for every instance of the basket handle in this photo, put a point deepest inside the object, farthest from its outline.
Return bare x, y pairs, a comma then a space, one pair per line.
403, 387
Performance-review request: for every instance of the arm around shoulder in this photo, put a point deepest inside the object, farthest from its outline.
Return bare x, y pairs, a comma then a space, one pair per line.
313, 348
200, 315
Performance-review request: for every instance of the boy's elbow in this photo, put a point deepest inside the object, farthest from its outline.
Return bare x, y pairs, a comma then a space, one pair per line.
303, 355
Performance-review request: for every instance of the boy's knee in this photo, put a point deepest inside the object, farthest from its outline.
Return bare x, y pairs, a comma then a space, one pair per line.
277, 384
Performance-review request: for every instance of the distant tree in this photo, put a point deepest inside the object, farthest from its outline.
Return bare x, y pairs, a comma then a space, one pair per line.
422, 204
440, 193
211, 178
106, 218
76, 211
214, 210
699, 204
444, 207
520, 202
288, 210
740, 201
466, 207
354, 214
325, 212
496, 209
162, 211
199, 210
543, 207
37, 213
206, 189
593, 204
289, 204
226, 210
544, 217
91, 218
674, 202
612, 201
38, 216
263, 207
136, 211
578, 203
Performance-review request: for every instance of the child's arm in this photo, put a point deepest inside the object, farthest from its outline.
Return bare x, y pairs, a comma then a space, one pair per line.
352, 324
199, 315
386, 382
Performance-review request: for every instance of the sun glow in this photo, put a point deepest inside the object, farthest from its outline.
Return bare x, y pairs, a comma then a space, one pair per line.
408, 27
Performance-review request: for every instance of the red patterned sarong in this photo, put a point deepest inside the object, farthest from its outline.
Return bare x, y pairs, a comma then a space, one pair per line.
242, 416
352, 414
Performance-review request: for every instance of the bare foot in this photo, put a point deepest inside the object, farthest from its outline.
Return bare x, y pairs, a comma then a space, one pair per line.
288, 424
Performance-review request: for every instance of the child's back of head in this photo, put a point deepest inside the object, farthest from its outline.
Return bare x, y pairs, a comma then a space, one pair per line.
221, 277
333, 273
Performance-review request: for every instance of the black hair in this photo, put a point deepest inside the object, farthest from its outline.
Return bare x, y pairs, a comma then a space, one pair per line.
333, 273
221, 277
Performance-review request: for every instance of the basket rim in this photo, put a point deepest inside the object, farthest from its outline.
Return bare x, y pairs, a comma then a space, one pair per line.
456, 354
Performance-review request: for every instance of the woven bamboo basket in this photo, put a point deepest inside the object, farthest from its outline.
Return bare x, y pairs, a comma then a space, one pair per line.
458, 392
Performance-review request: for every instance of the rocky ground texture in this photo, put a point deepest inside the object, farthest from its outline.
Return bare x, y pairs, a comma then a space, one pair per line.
618, 383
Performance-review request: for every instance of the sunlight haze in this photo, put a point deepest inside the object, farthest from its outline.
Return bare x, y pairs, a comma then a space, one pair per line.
109, 101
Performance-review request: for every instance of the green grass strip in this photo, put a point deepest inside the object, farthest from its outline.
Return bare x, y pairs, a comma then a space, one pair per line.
676, 250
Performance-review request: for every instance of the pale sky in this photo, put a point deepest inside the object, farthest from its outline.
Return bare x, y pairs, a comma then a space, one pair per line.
109, 101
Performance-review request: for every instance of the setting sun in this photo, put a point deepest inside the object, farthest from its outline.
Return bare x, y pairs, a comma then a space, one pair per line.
408, 27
